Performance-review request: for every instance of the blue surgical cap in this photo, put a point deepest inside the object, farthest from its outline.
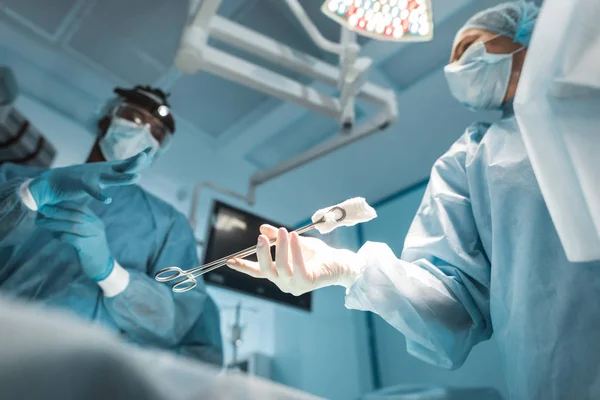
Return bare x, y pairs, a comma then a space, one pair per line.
515, 19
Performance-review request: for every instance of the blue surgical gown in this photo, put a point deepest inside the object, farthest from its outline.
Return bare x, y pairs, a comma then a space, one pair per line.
483, 257
144, 235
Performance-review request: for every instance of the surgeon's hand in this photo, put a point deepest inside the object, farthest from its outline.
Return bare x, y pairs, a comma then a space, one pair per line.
78, 226
302, 264
81, 181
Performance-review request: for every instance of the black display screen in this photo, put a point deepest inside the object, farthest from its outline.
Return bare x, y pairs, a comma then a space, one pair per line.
229, 231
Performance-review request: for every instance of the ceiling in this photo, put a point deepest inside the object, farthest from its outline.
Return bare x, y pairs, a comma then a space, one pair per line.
69, 54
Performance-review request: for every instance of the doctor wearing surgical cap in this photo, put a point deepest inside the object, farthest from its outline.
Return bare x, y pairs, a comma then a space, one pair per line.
62, 247
482, 256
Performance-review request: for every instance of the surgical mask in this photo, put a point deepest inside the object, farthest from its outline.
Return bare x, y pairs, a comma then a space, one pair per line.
124, 139
479, 80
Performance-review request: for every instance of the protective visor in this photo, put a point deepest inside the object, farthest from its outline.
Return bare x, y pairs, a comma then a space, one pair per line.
142, 117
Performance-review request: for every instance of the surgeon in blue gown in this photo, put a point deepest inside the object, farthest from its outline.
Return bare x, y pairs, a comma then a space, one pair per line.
482, 256
98, 260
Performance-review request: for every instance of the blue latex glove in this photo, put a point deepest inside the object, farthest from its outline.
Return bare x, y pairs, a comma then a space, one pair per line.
78, 226
81, 181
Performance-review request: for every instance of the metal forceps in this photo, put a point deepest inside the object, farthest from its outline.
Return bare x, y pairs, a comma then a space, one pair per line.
189, 276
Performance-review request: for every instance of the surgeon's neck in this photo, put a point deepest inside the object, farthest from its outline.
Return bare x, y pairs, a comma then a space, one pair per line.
507, 109
95, 154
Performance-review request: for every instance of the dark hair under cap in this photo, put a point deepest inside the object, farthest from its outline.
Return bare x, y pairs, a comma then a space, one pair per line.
150, 99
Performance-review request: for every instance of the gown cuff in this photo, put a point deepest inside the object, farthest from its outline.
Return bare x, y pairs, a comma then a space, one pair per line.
26, 196
116, 282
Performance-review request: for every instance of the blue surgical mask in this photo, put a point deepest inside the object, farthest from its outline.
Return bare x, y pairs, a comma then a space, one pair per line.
479, 80
124, 139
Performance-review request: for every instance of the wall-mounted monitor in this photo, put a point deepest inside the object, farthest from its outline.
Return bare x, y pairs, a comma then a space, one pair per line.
230, 230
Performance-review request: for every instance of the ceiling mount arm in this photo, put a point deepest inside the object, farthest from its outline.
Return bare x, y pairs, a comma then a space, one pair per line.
313, 31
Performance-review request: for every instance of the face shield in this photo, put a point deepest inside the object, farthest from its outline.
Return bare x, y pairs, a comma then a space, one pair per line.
132, 130
145, 120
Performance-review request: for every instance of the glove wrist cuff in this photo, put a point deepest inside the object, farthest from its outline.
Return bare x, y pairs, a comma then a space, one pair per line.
26, 196
354, 266
116, 282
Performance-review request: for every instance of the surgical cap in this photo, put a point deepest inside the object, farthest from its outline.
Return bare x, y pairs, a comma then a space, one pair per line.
515, 19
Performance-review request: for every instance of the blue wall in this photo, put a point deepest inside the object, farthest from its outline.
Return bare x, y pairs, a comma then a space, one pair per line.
325, 352
396, 366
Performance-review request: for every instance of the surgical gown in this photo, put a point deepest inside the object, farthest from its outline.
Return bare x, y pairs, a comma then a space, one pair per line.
144, 235
483, 257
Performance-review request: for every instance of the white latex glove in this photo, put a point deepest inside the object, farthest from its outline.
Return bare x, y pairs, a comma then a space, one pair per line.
302, 264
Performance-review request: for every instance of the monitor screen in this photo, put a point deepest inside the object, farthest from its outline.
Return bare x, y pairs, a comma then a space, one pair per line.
229, 231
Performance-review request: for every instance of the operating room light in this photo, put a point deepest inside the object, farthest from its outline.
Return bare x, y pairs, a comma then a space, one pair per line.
391, 20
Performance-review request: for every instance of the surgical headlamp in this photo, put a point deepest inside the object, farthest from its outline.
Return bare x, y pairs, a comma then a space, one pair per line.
142, 117
152, 104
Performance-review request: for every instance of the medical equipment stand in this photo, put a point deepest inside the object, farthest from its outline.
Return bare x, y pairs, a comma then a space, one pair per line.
255, 364
236, 334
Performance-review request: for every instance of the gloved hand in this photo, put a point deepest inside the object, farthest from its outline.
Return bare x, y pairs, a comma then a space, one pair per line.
312, 265
80, 181
79, 226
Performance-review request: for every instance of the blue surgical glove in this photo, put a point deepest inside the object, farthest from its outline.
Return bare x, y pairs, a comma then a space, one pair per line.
81, 181
78, 226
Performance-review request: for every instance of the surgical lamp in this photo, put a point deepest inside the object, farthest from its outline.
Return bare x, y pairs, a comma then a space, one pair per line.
392, 20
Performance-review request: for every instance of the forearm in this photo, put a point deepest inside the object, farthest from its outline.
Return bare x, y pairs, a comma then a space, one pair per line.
145, 309
140, 308
435, 311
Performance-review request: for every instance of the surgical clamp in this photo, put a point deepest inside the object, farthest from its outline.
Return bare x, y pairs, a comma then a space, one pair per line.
189, 282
